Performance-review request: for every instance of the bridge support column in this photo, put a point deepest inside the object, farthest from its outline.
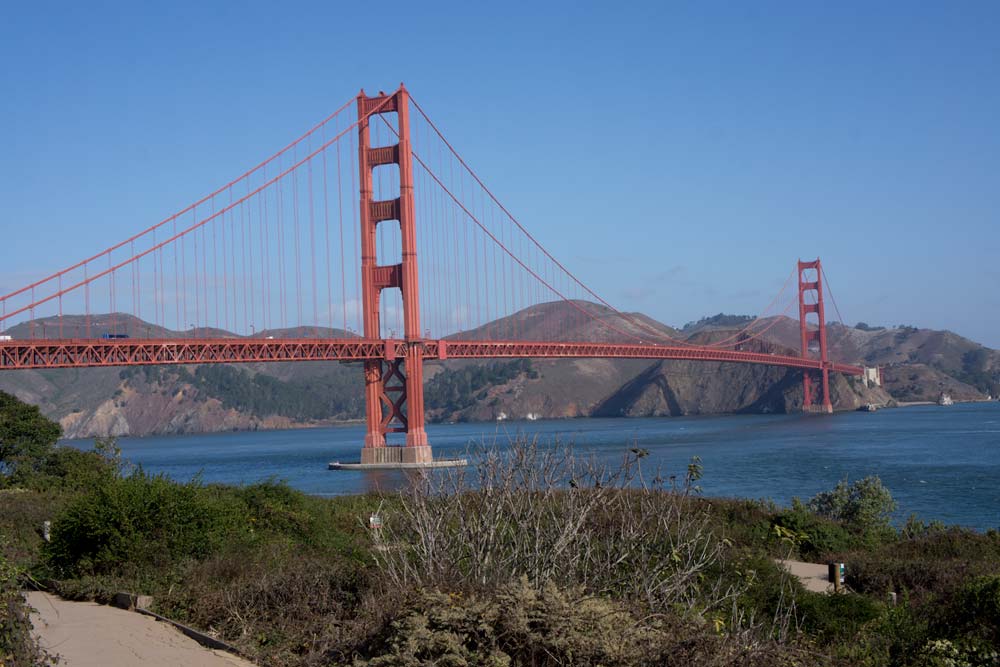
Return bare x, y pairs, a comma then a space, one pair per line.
394, 390
374, 436
827, 404
813, 335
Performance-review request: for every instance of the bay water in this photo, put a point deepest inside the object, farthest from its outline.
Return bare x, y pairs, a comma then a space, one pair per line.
939, 462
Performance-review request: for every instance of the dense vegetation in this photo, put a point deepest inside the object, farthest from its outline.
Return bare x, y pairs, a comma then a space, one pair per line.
455, 389
619, 567
975, 371
719, 320
335, 394
26, 437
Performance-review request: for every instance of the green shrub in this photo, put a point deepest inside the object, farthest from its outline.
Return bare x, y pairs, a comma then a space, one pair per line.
973, 613
21, 517
772, 593
864, 506
66, 469
141, 523
936, 563
916, 528
746, 523
880, 573
954, 543
894, 639
818, 535
836, 618
276, 507
769, 587
272, 510
141, 520
26, 435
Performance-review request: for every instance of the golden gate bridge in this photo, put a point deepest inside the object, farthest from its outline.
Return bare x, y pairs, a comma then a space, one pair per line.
367, 239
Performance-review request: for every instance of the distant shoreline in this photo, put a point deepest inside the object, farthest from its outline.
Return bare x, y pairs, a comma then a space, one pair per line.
910, 404
356, 422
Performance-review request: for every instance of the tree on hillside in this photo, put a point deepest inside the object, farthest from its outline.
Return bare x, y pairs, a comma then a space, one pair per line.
26, 435
864, 505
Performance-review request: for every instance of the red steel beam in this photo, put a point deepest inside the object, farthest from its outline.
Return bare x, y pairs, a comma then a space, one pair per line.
76, 353
493, 349
144, 352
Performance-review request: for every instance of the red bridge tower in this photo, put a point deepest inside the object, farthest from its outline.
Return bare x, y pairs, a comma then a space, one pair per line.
813, 285
394, 393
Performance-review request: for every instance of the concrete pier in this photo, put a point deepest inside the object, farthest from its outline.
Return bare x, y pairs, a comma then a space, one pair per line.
399, 465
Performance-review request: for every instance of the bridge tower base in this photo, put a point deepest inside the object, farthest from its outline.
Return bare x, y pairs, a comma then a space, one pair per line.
813, 337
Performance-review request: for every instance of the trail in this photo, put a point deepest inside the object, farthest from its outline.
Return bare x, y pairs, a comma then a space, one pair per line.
86, 634
813, 576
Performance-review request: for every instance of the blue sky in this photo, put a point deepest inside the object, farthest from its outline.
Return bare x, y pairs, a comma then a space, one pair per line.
678, 157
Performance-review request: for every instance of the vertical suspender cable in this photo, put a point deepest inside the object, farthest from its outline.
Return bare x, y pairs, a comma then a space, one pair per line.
340, 222
298, 242
250, 300
355, 234
197, 286
312, 244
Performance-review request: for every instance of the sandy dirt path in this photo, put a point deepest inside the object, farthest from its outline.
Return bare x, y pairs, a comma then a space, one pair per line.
814, 577
85, 634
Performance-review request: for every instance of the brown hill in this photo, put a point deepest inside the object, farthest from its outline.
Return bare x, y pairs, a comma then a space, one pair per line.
919, 365
570, 321
182, 399
620, 387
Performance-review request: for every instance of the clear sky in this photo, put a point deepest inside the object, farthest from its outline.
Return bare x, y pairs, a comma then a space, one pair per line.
678, 157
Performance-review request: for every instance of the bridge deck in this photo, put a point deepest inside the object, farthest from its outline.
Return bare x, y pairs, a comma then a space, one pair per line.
75, 353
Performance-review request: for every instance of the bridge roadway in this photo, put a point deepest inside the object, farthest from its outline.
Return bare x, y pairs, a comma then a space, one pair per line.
82, 352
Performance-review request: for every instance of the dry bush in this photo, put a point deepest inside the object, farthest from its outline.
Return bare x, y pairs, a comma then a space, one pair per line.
541, 518
546, 514
278, 606
518, 624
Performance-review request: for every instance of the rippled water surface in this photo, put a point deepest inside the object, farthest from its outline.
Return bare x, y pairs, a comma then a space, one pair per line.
939, 462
